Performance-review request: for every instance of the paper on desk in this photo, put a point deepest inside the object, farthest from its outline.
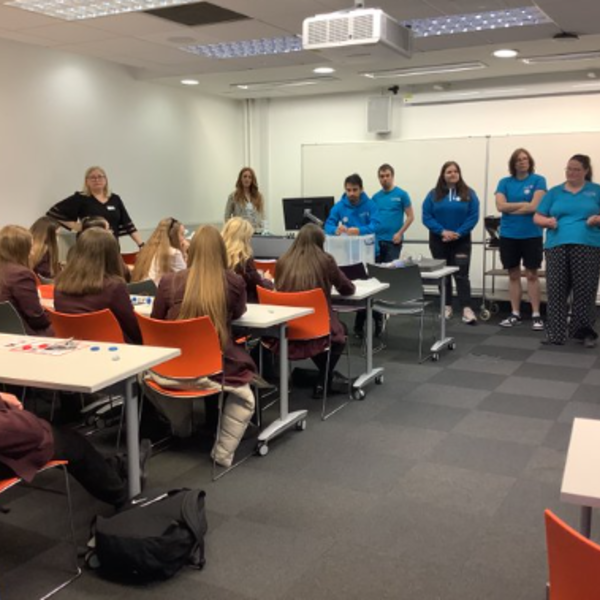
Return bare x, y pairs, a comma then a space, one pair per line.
52, 347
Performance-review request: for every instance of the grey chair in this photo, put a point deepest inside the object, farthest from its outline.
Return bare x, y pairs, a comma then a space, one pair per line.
143, 288
10, 321
404, 297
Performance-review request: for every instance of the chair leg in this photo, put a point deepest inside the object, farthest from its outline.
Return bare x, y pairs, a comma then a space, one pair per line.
76, 568
326, 384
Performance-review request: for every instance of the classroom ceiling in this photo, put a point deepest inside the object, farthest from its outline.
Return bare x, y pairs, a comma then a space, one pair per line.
149, 46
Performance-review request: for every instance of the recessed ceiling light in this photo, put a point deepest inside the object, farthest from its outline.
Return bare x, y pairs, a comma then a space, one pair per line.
324, 70
74, 10
505, 53
416, 71
247, 48
190, 82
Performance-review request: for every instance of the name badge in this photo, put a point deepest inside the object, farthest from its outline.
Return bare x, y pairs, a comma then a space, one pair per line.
110, 208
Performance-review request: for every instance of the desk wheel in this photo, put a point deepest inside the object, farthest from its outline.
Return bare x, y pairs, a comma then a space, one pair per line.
262, 449
379, 380
435, 357
452, 346
358, 394
485, 314
301, 425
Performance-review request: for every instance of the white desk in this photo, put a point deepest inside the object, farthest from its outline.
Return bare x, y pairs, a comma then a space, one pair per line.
88, 371
366, 289
266, 316
444, 341
581, 478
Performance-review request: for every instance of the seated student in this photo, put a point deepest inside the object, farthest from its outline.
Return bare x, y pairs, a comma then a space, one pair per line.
44, 253
306, 266
208, 288
17, 280
27, 443
356, 214
93, 280
162, 253
237, 234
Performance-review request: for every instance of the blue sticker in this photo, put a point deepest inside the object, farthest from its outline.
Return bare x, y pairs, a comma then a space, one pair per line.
95, 348
113, 349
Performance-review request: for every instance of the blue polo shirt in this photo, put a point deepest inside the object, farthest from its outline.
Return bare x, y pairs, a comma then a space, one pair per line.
392, 206
520, 190
572, 211
451, 213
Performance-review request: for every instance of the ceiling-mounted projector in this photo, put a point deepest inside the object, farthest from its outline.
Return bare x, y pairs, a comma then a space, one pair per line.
358, 34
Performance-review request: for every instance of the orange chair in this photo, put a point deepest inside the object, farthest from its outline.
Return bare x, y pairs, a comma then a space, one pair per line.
314, 326
6, 484
573, 562
200, 356
266, 266
129, 258
99, 326
46, 291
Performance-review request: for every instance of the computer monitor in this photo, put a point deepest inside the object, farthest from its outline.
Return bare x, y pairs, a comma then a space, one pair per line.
299, 211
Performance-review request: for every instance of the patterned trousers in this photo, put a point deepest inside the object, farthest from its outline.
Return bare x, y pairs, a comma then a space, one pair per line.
571, 269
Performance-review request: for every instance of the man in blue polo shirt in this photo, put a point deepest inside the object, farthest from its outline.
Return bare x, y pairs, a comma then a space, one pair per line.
393, 204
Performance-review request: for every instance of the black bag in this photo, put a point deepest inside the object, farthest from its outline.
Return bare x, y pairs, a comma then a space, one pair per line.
153, 537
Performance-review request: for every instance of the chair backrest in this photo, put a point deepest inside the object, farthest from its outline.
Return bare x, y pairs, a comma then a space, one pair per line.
573, 562
100, 326
312, 326
405, 283
10, 321
142, 288
355, 271
196, 338
129, 258
46, 290
266, 266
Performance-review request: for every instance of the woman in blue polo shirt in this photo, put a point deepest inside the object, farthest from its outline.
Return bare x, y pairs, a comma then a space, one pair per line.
450, 212
517, 198
571, 214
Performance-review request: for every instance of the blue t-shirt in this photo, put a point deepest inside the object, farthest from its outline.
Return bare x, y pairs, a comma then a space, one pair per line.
451, 213
392, 206
571, 212
520, 190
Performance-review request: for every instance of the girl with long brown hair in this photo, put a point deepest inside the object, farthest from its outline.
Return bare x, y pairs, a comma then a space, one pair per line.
93, 280
450, 212
163, 252
246, 201
237, 234
208, 288
17, 280
306, 266
44, 253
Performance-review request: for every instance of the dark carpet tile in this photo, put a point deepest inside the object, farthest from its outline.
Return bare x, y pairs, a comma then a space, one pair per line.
551, 372
523, 406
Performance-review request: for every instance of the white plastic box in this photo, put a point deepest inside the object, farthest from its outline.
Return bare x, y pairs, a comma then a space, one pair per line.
351, 249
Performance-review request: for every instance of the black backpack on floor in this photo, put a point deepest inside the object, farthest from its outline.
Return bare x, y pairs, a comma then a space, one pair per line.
153, 537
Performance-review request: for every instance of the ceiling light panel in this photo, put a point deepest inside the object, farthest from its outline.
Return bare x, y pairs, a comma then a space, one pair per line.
247, 48
432, 70
480, 21
76, 10
570, 57
269, 85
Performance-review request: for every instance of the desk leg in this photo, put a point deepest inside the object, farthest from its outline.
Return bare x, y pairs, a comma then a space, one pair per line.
133, 441
585, 521
371, 373
286, 419
443, 342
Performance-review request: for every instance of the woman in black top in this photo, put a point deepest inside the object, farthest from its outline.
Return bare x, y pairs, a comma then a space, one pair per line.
96, 200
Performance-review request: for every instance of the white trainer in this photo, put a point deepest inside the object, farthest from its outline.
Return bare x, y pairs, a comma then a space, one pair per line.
469, 316
448, 312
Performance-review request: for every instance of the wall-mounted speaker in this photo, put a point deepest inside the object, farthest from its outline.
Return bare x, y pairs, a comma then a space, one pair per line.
379, 114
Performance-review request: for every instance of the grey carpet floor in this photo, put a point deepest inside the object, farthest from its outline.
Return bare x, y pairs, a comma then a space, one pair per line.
433, 487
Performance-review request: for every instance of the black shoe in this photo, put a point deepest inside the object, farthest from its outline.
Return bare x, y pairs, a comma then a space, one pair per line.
318, 391
359, 334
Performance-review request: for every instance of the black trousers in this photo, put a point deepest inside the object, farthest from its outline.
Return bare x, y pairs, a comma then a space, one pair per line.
456, 254
571, 269
104, 478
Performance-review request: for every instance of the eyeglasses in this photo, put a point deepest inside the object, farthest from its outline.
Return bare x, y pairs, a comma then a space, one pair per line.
96, 177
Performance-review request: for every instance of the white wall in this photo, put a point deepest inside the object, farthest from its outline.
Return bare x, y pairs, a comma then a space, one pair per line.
168, 152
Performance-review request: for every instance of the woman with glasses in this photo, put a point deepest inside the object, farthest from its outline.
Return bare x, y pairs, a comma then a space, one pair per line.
571, 214
164, 252
95, 200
